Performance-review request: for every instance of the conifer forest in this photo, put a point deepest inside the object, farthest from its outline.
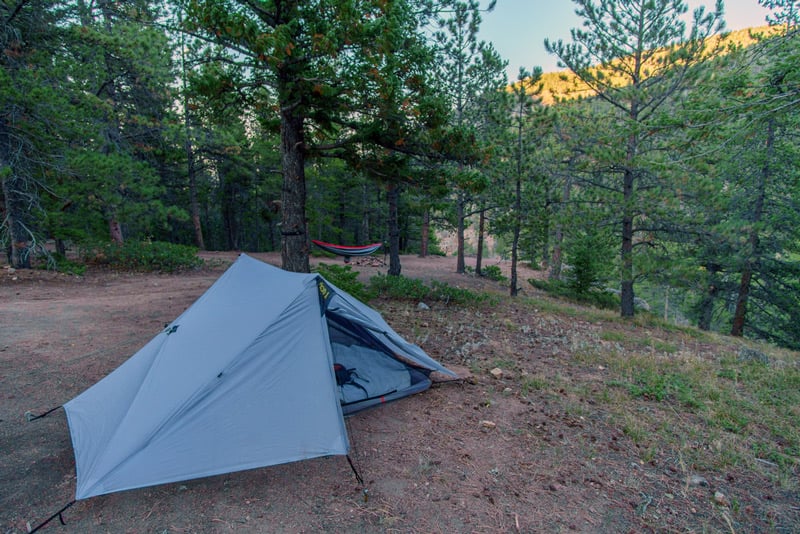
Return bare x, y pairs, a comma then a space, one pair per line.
658, 170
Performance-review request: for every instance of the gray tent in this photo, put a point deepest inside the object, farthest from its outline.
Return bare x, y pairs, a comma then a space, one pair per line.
244, 378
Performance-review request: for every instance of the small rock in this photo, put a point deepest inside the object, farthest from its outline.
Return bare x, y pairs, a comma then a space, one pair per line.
752, 355
488, 424
641, 303
423, 306
720, 498
496, 372
697, 480
508, 391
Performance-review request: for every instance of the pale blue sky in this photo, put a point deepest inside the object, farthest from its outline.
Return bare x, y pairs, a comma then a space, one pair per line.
518, 28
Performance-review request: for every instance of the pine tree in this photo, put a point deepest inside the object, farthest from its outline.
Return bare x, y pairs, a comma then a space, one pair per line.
303, 66
741, 189
34, 111
529, 120
634, 55
469, 71
123, 70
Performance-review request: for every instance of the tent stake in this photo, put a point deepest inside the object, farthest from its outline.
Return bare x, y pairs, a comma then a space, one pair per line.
32, 417
355, 471
57, 514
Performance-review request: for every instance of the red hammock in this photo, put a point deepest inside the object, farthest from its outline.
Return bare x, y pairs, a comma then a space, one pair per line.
346, 251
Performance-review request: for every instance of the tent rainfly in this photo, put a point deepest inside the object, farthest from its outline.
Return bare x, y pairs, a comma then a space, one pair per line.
246, 377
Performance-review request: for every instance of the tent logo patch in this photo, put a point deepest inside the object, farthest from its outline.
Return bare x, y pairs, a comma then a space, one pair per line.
325, 294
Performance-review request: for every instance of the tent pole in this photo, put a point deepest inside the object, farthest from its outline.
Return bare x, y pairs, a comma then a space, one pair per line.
359, 478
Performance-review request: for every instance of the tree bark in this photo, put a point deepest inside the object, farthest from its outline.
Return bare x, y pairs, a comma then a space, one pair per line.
626, 252
341, 223
707, 304
19, 249
194, 205
558, 238
196, 222
740, 313
115, 230
191, 168
460, 217
294, 233
513, 289
425, 234
393, 196
364, 227
479, 253
112, 130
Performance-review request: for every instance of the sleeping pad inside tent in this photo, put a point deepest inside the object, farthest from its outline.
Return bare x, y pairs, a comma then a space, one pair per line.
260, 370
372, 373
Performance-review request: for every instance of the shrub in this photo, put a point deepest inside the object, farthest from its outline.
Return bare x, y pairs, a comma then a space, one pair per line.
493, 272
64, 265
144, 256
585, 271
400, 287
593, 297
447, 293
589, 257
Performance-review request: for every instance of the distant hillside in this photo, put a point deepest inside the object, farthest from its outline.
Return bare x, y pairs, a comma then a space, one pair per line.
564, 85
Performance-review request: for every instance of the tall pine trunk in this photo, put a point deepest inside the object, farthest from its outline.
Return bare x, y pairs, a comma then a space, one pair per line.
194, 204
556, 261
112, 130
706, 306
342, 216
479, 253
8, 211
740, 313
365, 210
626, 250
425, 234
229, 206
115, 230
393, 197
191, 168
294, 233
513, 286
461, 203
19, 249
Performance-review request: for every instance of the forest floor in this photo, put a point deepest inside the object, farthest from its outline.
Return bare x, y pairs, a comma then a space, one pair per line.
535, 438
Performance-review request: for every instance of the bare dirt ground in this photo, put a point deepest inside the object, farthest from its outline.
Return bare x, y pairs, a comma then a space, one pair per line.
486, 454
